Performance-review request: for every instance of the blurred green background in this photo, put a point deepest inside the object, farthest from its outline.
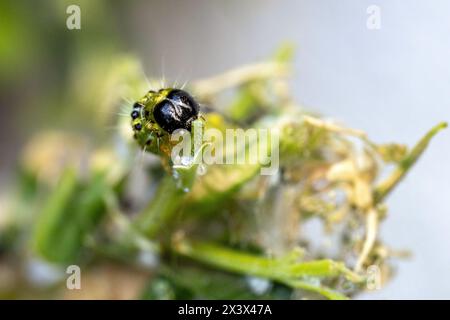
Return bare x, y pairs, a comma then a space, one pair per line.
40, 59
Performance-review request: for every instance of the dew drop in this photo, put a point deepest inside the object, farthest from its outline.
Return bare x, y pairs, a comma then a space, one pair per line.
258, 286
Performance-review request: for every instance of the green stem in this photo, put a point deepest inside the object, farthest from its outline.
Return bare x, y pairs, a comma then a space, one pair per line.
385, 187
286, 271
326, 292
161, 209
50, 221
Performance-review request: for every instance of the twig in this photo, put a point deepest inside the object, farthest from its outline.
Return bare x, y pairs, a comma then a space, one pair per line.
287, 271
371, 235
385, 187
213, 85
319, 123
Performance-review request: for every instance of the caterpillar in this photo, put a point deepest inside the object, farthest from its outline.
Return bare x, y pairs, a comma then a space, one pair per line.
158, 114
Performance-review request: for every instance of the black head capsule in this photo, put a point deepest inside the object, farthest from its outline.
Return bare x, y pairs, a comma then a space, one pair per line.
176, 111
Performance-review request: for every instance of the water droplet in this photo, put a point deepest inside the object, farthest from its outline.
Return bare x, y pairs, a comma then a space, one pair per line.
259, 286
